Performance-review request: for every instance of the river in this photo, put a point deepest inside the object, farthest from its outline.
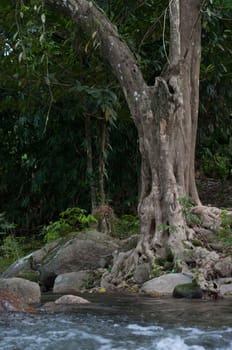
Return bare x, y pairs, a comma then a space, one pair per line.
123, 323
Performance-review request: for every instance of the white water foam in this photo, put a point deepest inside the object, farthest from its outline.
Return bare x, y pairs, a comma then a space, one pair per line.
176, 343
144, 330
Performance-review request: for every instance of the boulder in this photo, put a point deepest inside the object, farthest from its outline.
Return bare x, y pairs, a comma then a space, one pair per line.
72, 282
17, 267
223, 267
141, 273
187, 290
165, 284
86, 251
28, 291
32, 261
11, 302
77, 254
225, 286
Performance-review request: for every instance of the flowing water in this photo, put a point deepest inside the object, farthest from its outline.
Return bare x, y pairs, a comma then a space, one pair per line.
123, 323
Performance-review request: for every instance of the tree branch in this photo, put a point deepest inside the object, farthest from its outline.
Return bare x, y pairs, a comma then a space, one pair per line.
93, 21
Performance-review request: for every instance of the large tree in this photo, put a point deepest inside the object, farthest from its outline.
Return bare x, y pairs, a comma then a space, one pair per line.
165, 115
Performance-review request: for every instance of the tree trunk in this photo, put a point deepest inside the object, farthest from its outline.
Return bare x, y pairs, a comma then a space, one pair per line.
166, 118
168, 136
102, 161
90, 170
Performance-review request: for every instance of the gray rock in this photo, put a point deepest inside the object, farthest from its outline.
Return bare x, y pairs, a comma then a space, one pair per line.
26, 290
32, 261
71, 299
17, 267
224, 267
66, 303
141, 273
76, 255
165, 284
225, 286
86, 251
75, 281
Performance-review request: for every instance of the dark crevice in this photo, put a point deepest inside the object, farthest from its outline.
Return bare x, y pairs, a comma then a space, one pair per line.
170, 88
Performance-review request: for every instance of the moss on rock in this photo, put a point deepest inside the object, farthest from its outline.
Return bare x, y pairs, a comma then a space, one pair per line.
187, 290
32, 276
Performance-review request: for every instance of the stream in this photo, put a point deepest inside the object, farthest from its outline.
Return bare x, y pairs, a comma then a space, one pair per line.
122, 322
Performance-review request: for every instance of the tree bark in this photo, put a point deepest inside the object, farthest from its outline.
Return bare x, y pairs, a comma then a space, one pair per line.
166, 118
102, 161
90, 170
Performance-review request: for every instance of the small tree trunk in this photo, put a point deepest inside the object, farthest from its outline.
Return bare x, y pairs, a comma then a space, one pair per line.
102, 161
90, 171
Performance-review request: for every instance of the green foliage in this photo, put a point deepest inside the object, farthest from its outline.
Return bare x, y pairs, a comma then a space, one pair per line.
161, 265
5, 226
56, 230
215, 127
168, 228
77, 218
12, 247
11, 250
70, 220
92, 280
224, 234
186, 208
126, 226
217, 165
52, 76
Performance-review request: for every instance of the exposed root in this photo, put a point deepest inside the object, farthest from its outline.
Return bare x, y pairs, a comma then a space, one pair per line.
210, 216
122, 270
202, 262
125, 264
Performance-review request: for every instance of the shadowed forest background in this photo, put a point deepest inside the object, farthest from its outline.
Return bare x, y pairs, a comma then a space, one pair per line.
67, 137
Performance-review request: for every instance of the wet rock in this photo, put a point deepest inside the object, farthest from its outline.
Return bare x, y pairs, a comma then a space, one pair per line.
165, 284
71, 299
66, 303
11, 302
26, 290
